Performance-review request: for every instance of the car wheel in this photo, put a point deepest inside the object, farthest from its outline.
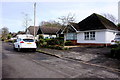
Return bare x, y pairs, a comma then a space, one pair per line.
18, 49
14, 47
34, 50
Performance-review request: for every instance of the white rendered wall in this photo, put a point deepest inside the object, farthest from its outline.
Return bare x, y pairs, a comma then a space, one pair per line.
46, 35
104, 36
110, 35
99, 37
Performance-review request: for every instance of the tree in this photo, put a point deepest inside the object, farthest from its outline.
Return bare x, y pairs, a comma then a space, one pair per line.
26, 21
9, 36
66, 20
50, 24
110, 17
4, 31
118, 25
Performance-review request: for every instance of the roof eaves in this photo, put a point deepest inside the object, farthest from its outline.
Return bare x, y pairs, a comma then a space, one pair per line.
74, 28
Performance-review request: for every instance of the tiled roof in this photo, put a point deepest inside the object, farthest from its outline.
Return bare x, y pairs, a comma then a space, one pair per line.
31, 29
94, 22
48, 30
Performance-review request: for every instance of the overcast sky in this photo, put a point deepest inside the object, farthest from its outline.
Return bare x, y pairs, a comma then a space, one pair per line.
12, 10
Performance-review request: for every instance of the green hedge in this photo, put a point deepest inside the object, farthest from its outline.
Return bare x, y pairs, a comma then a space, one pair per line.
11, 41
56, 43
68, 43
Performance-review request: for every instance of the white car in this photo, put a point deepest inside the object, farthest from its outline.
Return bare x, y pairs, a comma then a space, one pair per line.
24, 43
116, 41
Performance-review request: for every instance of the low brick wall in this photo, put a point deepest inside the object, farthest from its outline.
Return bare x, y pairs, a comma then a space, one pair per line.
93, 44
90, 44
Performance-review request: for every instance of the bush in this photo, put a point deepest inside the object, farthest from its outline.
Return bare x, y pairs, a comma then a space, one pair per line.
11, 41
9, 36
40, 36
41, 42
60, 38
115, 52
68, 43
54, 42
2, 39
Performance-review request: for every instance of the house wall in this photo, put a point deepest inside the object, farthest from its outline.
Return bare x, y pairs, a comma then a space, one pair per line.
110, 35
101, 37
65, 36
46, 35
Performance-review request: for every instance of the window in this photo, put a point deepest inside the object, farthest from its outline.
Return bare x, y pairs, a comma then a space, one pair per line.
92, 35
86, 35
89, 35
28, 40
71, 36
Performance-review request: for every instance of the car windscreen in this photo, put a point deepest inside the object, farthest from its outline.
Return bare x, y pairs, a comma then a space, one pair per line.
117, 39
28, 40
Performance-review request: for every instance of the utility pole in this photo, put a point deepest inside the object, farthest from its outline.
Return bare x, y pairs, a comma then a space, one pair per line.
34, 18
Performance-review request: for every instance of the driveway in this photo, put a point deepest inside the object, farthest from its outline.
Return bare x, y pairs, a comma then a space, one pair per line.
98, 55
93, 55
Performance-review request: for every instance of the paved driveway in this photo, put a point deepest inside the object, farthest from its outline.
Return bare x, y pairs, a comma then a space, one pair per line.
93, 55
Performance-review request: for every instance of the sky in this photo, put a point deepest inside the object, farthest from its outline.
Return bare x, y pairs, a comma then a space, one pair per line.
12, 11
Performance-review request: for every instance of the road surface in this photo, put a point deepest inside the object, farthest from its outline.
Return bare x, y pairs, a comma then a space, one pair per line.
38, 65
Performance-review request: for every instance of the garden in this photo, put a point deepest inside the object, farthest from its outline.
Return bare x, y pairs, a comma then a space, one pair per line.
115, 51
53, 43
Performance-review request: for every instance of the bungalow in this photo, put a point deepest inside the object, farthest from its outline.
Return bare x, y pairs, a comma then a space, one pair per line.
93, 30
30, 30
47, 32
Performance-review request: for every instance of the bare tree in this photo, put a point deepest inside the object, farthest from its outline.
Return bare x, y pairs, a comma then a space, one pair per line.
50, 24
65, 20
4, 31
26, 21
110, 17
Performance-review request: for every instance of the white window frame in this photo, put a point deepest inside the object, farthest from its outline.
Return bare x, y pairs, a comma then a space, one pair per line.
86, 35
89, 35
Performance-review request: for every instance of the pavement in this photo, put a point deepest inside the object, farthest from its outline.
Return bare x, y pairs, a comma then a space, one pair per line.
86, 57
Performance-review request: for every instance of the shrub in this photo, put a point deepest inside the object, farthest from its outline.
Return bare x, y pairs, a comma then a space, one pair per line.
53, 42
9, 36
69, 43
60, 38
11, 41
2, 39
41, 42
115, 52
40, 36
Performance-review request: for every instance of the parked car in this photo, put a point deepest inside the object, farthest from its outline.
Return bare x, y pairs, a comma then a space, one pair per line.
25, 42
116, 41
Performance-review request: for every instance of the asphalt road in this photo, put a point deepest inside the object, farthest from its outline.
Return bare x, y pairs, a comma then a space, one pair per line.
38, 65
